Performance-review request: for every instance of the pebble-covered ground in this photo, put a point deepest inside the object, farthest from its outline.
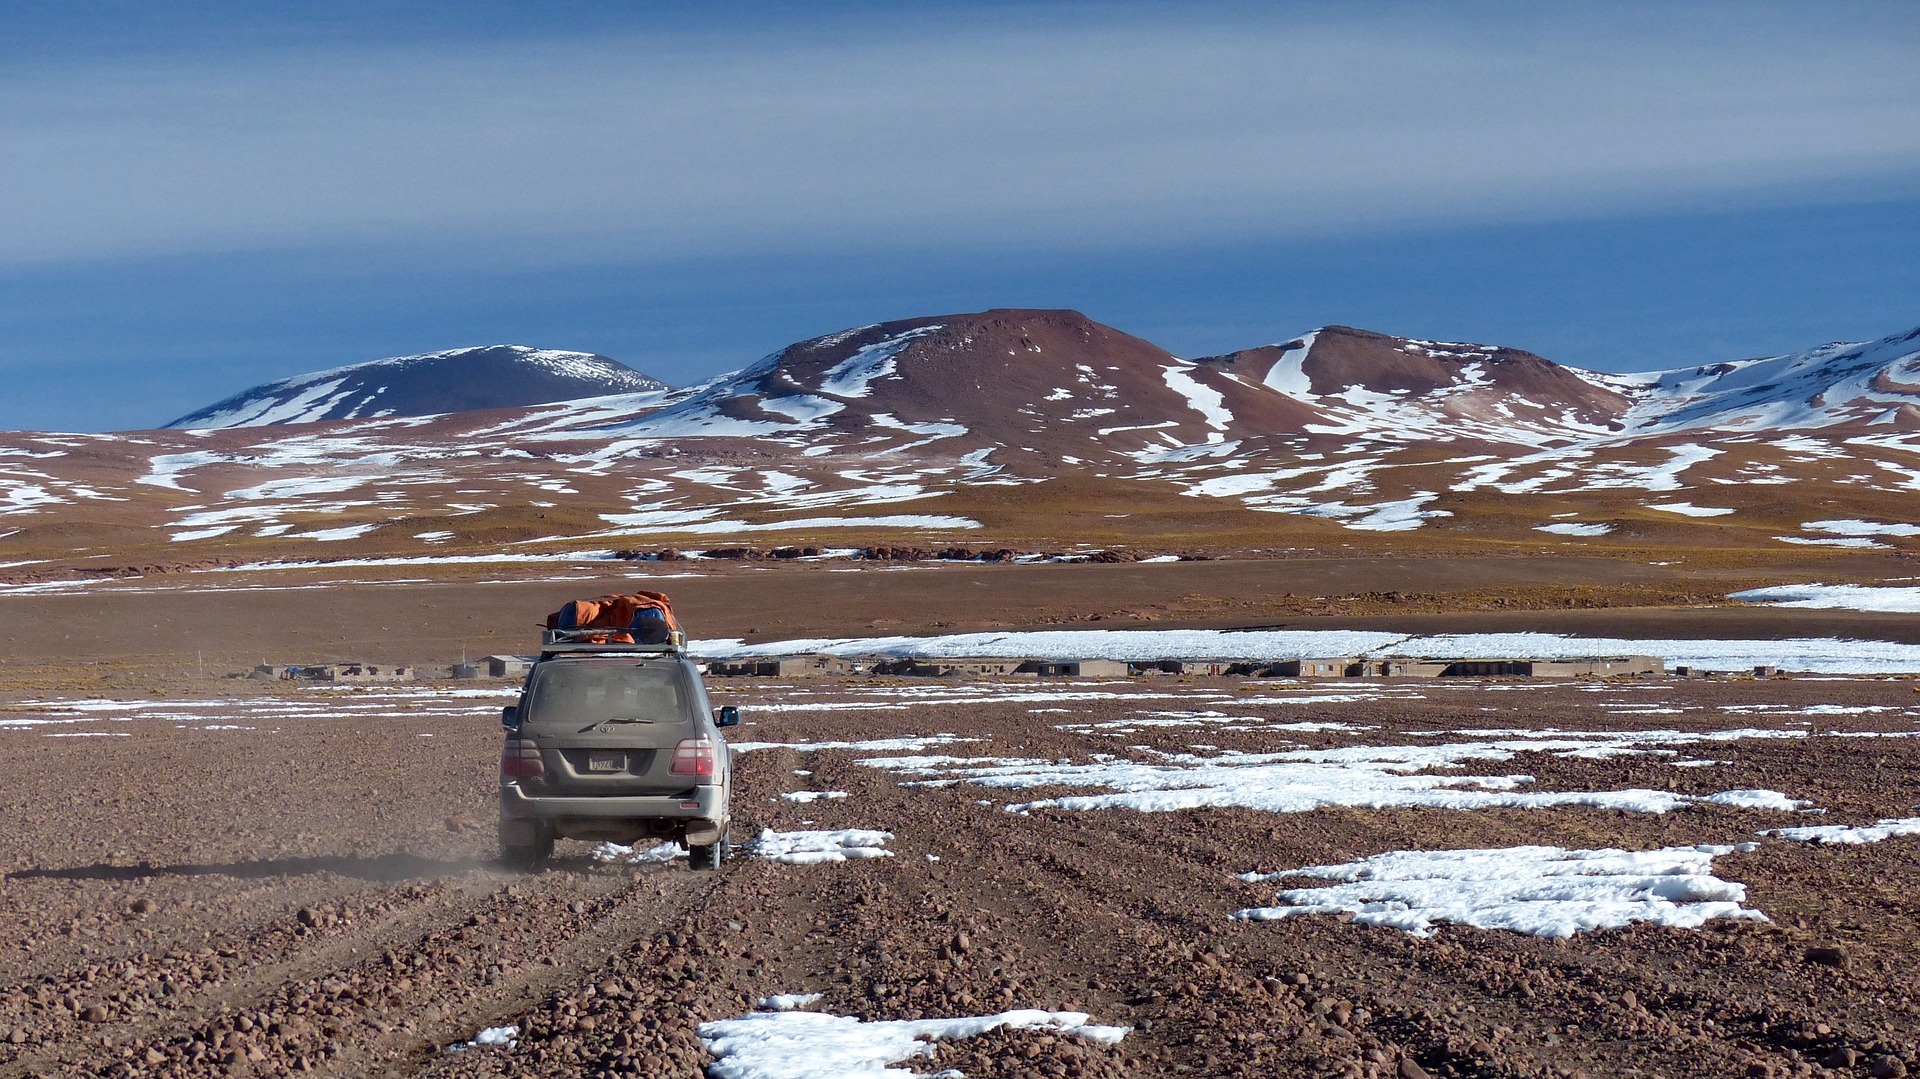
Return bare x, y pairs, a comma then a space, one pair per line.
272, 881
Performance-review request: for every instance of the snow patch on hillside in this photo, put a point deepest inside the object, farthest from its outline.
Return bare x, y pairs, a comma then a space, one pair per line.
1204, 399
1688, 509
1288, 374
854, 376
1846, 597
1862, 528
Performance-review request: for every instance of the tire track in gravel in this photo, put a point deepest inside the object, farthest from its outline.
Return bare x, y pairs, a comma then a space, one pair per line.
182, 989
582, 937
381, 1003
984, 928
714, 943
1141, 952
185, 989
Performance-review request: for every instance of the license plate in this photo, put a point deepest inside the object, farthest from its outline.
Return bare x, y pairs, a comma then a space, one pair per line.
606, 762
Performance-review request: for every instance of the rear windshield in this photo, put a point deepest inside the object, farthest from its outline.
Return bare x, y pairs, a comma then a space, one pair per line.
592, 692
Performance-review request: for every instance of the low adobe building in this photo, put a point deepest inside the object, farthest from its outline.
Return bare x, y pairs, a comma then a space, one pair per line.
508, 666
1078, 668
1594, 667
784, 666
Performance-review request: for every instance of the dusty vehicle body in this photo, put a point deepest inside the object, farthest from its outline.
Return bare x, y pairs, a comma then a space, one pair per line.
614, 742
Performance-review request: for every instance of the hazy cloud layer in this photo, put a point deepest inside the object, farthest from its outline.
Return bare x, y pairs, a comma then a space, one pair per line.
889, 137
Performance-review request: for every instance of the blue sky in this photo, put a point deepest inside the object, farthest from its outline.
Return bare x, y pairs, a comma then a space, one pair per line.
203, 197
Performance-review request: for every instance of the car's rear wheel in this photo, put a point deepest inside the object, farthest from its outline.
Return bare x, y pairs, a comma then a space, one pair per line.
521, 854
709, 855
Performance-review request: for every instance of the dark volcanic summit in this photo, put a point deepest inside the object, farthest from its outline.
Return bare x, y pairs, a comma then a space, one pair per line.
1047, 380
457, 380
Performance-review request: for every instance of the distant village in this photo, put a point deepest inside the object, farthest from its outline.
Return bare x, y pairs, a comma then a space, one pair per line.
823, 665
1347, 667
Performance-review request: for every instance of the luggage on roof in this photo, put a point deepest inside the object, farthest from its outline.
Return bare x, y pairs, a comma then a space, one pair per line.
628, 618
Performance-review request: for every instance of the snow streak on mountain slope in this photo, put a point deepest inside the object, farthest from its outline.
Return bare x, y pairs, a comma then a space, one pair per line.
494, 376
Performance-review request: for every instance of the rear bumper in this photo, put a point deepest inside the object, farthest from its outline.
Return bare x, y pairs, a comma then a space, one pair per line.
706, 803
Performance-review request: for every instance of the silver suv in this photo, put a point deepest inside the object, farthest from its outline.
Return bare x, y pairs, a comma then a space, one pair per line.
614, 742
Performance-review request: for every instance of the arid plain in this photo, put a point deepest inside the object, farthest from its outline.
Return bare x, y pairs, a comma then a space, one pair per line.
211, 875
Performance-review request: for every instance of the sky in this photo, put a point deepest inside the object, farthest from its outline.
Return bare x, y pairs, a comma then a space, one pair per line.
204, 196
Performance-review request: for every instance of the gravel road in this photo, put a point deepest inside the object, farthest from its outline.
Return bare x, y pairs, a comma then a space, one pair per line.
275, 880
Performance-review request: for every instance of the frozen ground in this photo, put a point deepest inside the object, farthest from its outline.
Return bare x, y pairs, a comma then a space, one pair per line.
1903, 599
1365, 776
805, 847
1814, 655
1850, 834
1543, 891
790, 1044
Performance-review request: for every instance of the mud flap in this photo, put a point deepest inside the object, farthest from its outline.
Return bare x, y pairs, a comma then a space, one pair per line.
521, 833
702, 832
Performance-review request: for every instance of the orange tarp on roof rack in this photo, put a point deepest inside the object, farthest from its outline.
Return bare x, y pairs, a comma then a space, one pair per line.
615, 613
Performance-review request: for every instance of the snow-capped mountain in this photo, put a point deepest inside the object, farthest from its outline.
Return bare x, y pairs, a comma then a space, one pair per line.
1016, 423
1875, 383
457, 380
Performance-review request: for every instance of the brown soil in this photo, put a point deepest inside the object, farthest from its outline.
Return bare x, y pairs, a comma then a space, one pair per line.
318, 894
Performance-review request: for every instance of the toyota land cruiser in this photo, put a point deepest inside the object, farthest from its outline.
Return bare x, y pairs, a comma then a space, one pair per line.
614, 742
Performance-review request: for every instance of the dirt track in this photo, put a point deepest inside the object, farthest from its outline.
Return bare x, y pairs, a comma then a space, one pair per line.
317, 893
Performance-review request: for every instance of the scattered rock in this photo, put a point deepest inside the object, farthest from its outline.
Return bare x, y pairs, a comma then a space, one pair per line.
1827, 957
1887, 1067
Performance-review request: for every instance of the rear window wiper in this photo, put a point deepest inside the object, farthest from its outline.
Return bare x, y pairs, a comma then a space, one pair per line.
611, 722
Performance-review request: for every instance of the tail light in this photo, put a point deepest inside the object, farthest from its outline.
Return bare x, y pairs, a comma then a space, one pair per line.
521, 758
695, 757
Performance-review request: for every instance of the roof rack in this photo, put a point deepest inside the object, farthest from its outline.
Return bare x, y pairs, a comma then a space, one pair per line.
571, 642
